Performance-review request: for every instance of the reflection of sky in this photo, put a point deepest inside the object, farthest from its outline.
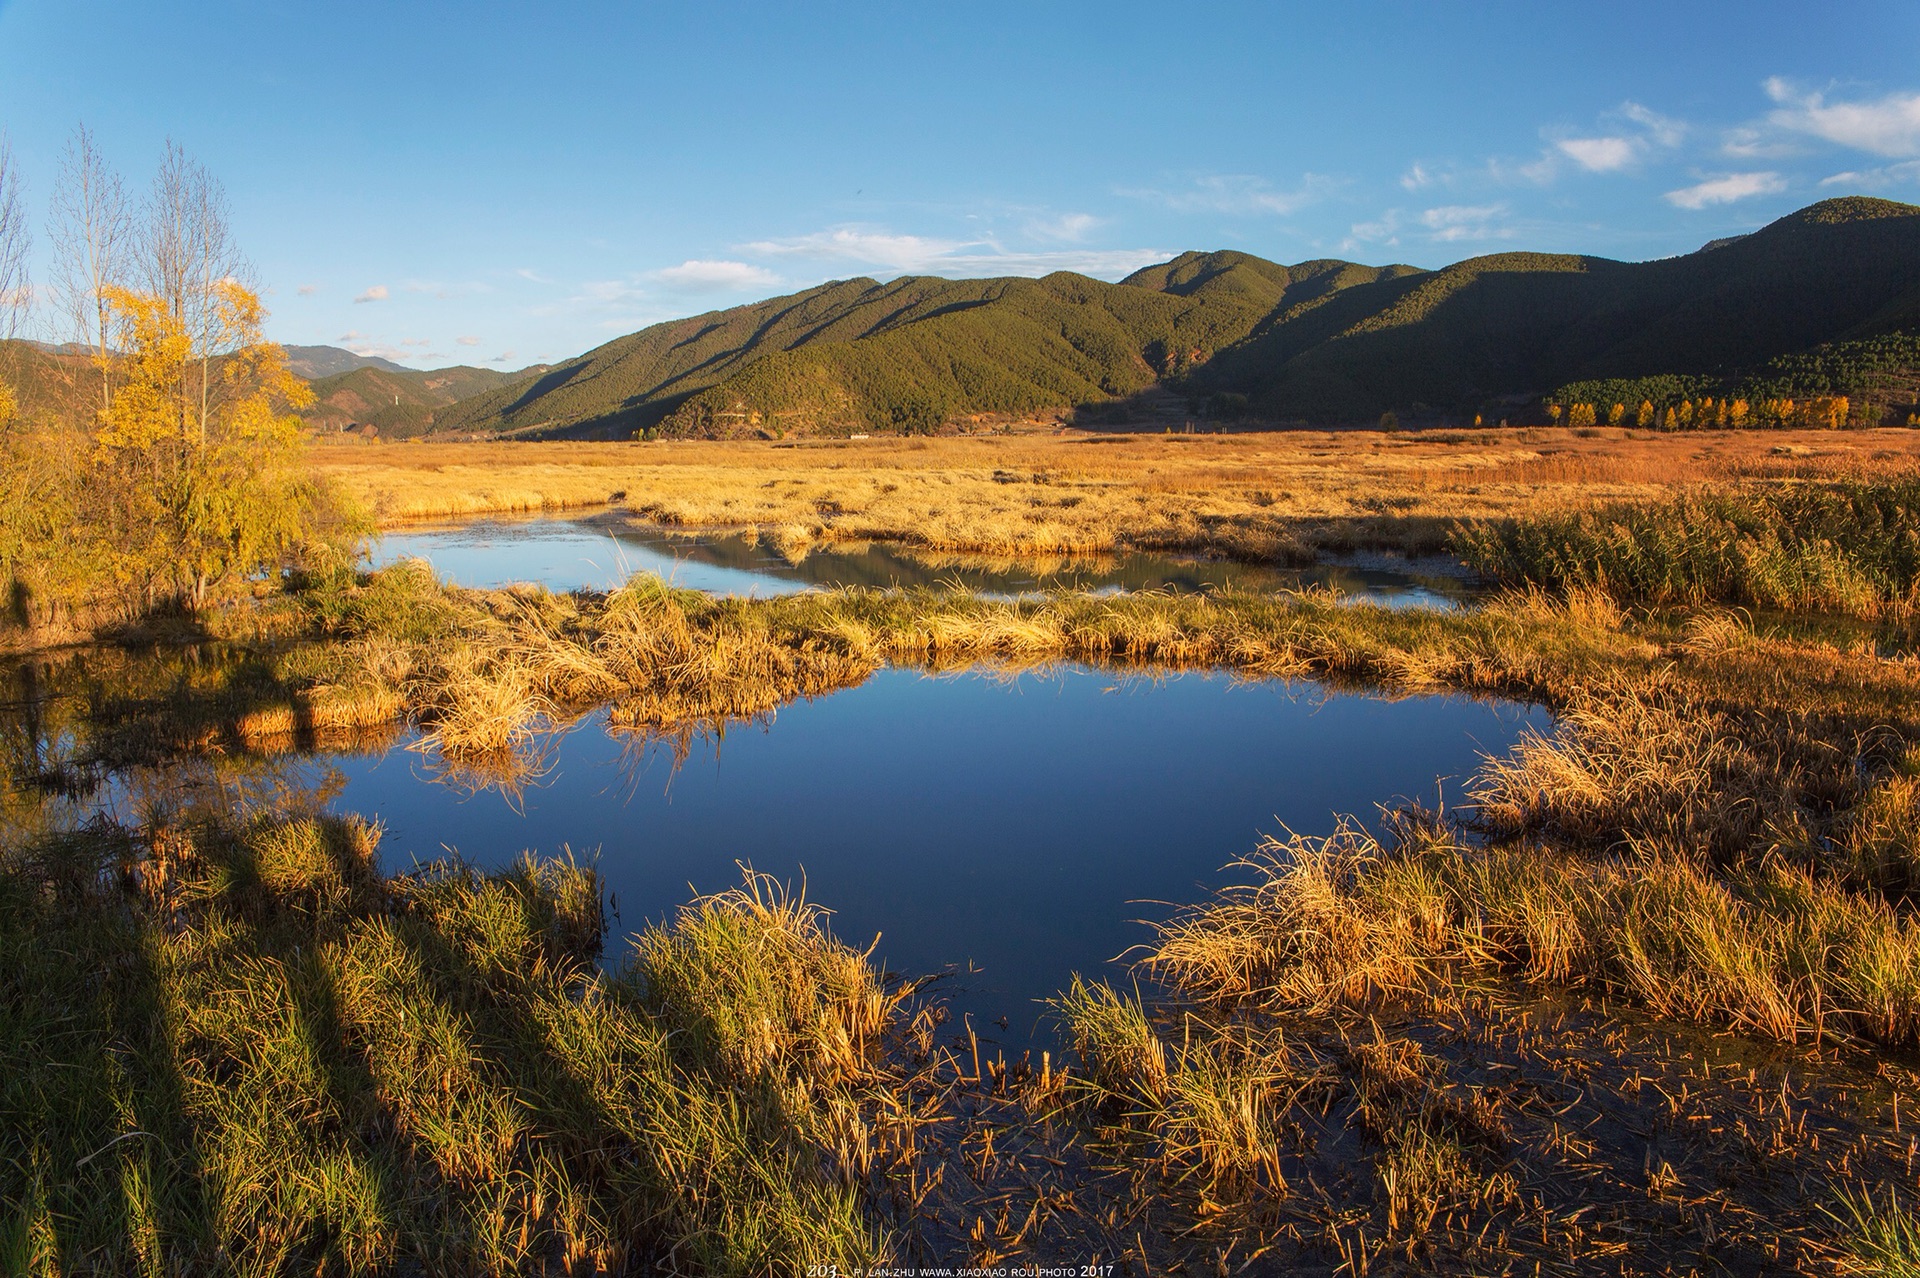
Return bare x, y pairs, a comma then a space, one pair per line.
566, 555
1015, 824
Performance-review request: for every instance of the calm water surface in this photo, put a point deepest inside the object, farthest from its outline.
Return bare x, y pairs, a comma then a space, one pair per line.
600, 553
1014, 829
1011, 829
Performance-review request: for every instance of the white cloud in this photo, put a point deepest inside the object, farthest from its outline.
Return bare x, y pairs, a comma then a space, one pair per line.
1454, 222
1727, 189
1382, 230
1662, 130
696, 275
1238, 194
1600, 155
378, 293
1889, 126
308, 290
467, 341
1534, 173
1746, 142
416, 341
861, 244
1875, 179
527, 273
1070, 228
1416, 178
925, 255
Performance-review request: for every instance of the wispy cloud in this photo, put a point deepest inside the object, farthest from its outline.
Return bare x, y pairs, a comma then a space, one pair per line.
1384, 229
1237, 194
307, 290
1875, 179
1536, 172
502, 358
1418, 178
1069, 228
1451, 223
1661, 130
698, 275
378, 293
466, 341
1726, 189
928, 255
1626, 137
1442, 224
1888, 126
1599, 155
862, 244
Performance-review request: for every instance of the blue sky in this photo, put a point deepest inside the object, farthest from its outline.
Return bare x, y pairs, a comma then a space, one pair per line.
510, 183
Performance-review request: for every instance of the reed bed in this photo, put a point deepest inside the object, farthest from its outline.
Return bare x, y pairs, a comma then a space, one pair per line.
1851, 548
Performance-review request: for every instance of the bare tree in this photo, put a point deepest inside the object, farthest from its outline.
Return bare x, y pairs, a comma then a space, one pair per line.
187, 253
15, 289
90, 228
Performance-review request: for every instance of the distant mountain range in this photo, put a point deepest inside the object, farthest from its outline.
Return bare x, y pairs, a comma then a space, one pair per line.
1231, 335
1825, 301
397, 402
313, 362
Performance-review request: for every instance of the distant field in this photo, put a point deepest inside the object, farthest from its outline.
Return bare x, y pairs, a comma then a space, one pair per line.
1258, 495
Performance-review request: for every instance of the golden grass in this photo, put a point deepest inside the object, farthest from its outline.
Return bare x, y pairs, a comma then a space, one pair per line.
1333, 1065
1253, 496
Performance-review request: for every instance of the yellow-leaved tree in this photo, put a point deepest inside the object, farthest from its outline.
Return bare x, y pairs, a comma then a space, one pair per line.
210, 467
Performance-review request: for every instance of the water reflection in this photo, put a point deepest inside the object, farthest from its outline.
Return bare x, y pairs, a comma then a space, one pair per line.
1014, 828
601, 552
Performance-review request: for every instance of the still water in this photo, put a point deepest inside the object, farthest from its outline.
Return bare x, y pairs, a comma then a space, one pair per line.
1012, 829
600, 553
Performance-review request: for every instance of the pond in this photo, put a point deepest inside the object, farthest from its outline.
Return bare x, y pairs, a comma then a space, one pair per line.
1009, 829
1015, 830
600, 552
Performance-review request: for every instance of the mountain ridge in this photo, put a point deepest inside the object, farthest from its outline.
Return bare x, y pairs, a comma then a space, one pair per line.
1323, 340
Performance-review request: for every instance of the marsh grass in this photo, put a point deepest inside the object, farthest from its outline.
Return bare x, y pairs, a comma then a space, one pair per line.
1327, 1063
1265, 495
1881, 1238
1851, 548
246, 1050
485, 671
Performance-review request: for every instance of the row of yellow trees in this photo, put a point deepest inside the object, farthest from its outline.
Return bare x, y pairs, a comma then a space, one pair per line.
157, 459
1823, 412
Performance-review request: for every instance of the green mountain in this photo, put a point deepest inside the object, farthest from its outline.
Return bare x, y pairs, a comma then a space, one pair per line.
1832, 287
398, 402
1823, 302
1516, 326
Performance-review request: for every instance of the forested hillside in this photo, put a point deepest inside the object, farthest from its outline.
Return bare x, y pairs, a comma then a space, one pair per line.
1813, 318
1815, 304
